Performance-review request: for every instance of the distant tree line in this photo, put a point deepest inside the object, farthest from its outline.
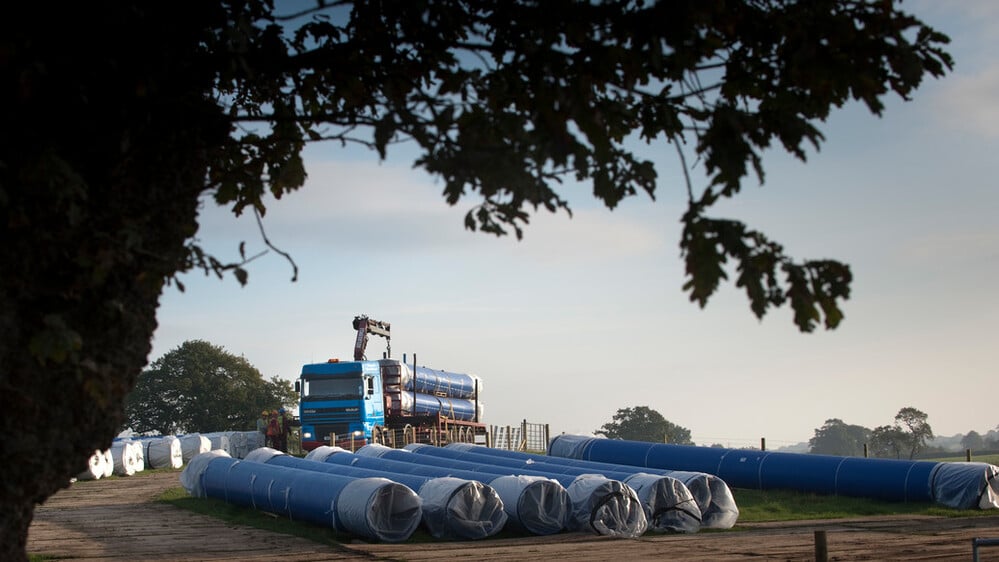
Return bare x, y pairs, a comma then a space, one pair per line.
910, 436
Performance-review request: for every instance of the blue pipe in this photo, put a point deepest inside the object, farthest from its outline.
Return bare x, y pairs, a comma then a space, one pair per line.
539, 506
453, 508
885, 479
373, 508
609, 507
668, 504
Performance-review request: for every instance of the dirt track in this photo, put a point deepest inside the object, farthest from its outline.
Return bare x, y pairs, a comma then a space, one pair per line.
117, 520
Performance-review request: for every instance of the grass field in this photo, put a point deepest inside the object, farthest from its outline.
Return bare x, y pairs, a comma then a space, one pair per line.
991, 459
784, 505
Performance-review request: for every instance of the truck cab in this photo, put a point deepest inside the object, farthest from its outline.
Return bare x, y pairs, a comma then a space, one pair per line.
340, 398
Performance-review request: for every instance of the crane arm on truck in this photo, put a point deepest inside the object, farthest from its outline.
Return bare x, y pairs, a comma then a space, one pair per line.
365, 326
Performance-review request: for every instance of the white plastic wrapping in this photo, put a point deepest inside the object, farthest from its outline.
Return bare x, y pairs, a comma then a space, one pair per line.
375, 450
95, 467
139, 449
123, 454
455, 508
605, 507
966, 485
190, 478
262, 454
668, 504
713, 497
194, 444
220, 440
379, 508
164, 452
242, 442
534, 504
108, 463
321, 452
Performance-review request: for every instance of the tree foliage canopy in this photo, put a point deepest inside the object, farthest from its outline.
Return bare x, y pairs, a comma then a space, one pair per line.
118, 117
506, 100
906, 437
642, 423
200, 387
836, 437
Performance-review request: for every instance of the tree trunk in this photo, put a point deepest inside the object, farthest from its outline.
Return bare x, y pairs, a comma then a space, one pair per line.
103, 157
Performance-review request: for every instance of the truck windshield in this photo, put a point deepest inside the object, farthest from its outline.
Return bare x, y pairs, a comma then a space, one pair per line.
338, 388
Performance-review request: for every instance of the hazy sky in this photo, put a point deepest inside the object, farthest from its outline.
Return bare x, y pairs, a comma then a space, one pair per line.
586, 315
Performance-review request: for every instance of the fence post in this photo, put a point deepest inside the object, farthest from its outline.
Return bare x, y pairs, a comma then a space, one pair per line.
763, 443
548, 437
865, 450
967, 453
821, 547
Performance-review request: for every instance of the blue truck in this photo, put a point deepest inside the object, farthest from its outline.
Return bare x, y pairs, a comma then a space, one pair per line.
351, 403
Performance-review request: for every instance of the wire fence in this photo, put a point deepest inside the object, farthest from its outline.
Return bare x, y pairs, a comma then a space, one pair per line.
526, 437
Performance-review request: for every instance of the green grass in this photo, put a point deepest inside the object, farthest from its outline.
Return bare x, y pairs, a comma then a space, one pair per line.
250, 517
990, 458
783, 505
260, 520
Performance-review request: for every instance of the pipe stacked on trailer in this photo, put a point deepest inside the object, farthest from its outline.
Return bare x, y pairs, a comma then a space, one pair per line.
535, 504
427, 391
453, 508
374, 508
600, 505
958, 485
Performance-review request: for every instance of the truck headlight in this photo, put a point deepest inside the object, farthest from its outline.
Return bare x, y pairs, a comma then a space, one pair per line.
307, 435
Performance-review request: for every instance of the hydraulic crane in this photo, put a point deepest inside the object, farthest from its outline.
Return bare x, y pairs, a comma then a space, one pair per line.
365, 326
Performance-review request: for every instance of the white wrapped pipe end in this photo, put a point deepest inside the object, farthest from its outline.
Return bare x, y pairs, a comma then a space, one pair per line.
262, 454
378, 508
374, 450
108, 463
190, 478
139, 449
194, 444
605, 507
164, 452
95, 467
322, 452
536, 504
455, 508
713, 497
124, 457
668, 504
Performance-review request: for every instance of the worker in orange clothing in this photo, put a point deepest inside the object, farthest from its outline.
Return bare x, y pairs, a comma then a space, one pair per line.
274, 430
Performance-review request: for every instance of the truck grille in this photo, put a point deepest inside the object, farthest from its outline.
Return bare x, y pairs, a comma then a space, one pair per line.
323, 431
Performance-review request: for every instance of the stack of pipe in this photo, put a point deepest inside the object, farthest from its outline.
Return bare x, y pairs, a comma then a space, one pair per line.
373, 508
453, 508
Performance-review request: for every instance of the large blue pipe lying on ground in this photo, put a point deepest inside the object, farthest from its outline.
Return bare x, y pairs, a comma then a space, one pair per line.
607, 507
668, 504
374, 508
535, 504
712, 496
453, 508
959, 485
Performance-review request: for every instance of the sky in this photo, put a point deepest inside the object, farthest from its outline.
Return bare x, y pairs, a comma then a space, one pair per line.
586, 316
